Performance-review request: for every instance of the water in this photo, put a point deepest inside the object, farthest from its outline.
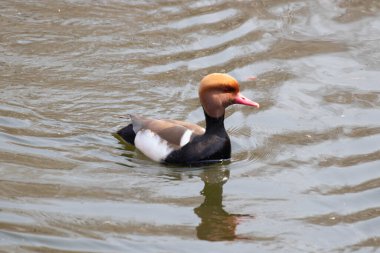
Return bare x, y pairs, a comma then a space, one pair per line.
304, 175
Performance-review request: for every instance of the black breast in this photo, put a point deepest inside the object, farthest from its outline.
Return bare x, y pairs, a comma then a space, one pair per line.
213, 146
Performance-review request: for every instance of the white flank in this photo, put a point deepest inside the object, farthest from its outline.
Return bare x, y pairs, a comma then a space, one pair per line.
185, 137
152, 145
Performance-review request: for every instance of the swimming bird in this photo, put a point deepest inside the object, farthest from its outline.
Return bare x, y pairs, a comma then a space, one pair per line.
179, 142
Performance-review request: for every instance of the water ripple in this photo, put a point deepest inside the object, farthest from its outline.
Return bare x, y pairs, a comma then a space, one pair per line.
304, 170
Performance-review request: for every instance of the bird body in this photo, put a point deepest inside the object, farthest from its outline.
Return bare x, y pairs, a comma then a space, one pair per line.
179, 142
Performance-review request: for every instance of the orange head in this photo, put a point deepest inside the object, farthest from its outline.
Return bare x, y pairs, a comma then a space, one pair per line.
217, 91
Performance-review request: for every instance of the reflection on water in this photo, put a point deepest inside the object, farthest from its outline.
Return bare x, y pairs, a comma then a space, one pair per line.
304, 175
216, 223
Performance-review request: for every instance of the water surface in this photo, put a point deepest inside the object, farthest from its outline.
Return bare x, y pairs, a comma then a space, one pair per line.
304, 175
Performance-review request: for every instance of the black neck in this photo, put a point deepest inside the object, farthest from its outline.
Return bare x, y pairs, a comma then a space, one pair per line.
214, 125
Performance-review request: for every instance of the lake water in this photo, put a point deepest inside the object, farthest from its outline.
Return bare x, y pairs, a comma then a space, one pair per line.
305, 169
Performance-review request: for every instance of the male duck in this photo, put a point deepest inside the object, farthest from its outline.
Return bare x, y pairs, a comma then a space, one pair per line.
178, 142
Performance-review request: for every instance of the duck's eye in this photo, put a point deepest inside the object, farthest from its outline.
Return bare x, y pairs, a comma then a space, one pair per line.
228, 89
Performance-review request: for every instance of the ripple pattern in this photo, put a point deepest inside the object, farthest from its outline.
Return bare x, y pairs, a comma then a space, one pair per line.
304, 175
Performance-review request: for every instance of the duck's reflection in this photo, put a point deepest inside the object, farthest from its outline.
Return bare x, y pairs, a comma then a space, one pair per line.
216, 224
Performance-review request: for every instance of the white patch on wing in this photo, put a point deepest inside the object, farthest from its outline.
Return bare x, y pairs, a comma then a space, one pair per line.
185, 137
152, 145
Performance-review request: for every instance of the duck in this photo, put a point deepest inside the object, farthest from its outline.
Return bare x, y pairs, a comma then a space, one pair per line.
178, 142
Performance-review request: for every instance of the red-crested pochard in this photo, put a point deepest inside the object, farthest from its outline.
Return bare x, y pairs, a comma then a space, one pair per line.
178, 142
